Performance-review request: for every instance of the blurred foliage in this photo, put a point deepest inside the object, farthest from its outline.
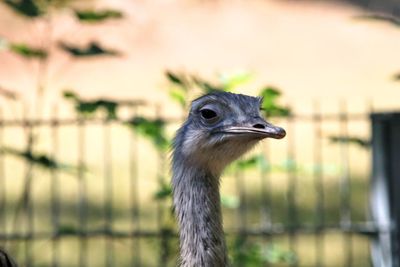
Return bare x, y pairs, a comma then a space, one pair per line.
89, 108
92, 49
67, 229
382, 17
163, 192
35, 8
40, 160
397, 77
352, 140
275, 254
180, 91
154, 129
28, 8
208, 87
230, 201
255, 161
92, 16
244, 253
185, 86
251, 254
231, 81
27, 51
22, 49
270, 105
9, 94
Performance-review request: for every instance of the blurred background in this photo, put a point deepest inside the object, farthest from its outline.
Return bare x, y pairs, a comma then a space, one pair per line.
92, 91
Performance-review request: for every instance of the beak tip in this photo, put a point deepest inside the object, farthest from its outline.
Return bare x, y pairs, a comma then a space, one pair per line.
281, 133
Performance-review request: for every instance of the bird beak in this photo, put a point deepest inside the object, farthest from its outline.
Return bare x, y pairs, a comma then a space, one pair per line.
260, 129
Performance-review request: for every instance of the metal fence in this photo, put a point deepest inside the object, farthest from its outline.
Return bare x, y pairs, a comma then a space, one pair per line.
95, 193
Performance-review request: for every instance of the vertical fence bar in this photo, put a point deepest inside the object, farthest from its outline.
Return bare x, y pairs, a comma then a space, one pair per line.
266, 197
163, 233
3, 184
240, 240
109, 192
134, 199
319, 186
265, 191
82, 191
164, 230
54, 188
21, 209
160, 212
28, 203
345, 188
292, 189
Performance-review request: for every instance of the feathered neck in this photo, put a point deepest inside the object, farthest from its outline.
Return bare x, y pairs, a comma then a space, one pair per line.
198, 210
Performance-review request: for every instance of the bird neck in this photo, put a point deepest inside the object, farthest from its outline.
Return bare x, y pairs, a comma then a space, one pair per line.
198, 210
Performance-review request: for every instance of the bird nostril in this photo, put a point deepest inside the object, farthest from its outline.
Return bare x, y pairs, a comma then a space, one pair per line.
259, 126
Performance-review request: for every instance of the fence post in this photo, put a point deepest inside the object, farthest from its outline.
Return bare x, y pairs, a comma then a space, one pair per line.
385, 189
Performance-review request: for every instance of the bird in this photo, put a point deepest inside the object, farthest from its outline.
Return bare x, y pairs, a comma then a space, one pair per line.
220, 127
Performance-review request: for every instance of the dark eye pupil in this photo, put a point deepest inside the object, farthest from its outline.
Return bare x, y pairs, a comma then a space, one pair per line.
208, 113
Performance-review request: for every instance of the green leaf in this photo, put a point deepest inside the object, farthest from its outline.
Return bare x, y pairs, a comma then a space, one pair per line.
164, 191
252, 162
89, 108
67, 230
353, 140
270, 95
70, 95
247, 164
27, 8
92, 49
27, 51
230, 81
92, 16
246, 253
275, 254
270, 105
176, 79
179, 96
151, 129
40, 160
109, 106
180, 87
397, 77
206, 86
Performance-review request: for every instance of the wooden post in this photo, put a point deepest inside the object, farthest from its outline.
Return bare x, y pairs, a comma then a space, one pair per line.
385, 189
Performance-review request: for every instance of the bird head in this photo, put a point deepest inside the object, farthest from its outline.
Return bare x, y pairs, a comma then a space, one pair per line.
221, 127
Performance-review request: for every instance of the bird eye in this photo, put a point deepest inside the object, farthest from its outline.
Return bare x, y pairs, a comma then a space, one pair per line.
208, 114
